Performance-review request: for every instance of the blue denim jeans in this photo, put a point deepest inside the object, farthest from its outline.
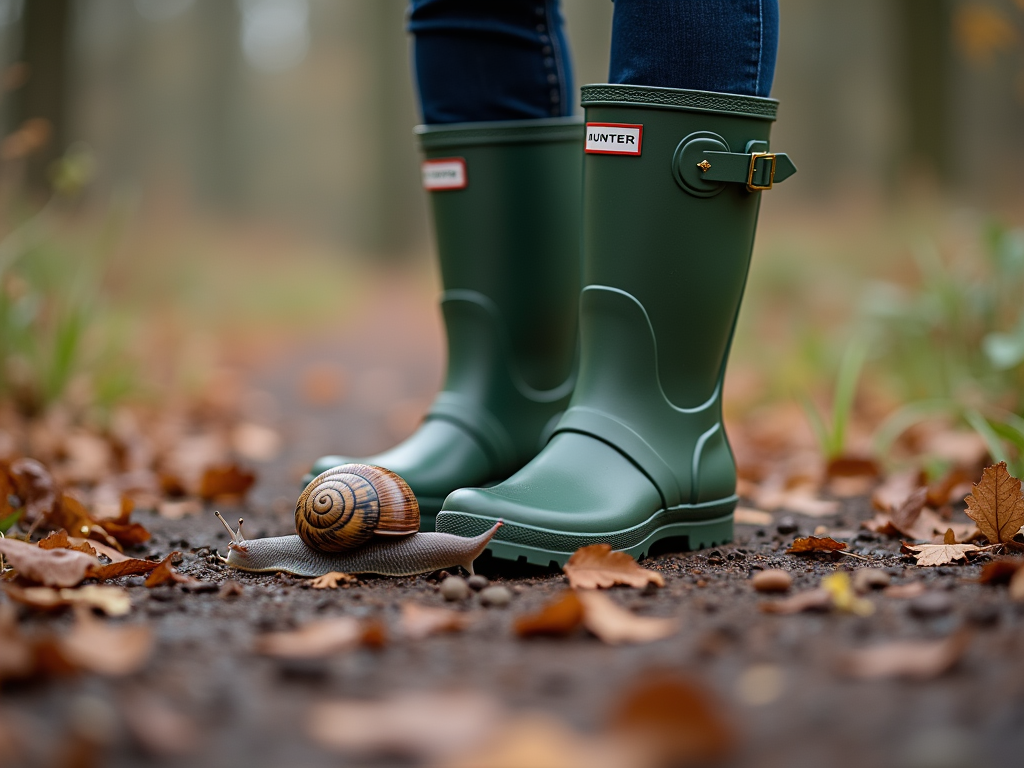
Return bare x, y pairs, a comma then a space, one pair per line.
509, 59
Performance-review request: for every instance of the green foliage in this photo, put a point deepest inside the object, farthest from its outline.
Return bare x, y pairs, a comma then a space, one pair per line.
832, 436
953, 346
55, 324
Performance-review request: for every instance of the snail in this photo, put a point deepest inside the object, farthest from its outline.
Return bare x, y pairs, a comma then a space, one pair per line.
356, 519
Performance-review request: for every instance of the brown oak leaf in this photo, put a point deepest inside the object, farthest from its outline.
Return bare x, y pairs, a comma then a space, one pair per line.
50, 567
331, 580
60, 540
560, 616
129, 567
997, 505
597, 567
916, 659
809, 544
617, 626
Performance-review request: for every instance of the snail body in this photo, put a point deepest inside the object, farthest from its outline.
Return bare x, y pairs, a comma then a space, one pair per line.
356, 519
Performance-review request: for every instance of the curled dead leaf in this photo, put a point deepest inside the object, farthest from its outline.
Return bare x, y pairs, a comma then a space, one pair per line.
164, 573
940, 554
810, 544
113, 601
1000, 571
997, 504
615, 625
597, 566
50, 567
559, 616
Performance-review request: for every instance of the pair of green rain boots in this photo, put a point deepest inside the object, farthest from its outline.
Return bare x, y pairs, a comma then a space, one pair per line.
618, 438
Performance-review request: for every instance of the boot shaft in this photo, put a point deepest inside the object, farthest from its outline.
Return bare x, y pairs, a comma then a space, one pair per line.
506, 214
654, 228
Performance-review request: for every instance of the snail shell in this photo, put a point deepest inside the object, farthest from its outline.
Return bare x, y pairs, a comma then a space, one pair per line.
344, 507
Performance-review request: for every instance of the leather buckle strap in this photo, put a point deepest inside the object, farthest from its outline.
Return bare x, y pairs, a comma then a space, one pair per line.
758, 171
754, 157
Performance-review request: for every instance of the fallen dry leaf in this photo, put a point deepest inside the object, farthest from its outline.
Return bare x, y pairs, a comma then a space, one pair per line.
617, 626
559, 616
844, 598
808, 544
940, 554
113, 601
160, 729
331, 580
115, 651
953, 486
314, 640
414, 726
915, 659
905, 515
1000, 571
60, 540
35, 488
164, 573
674, 721
225, 480
896, 489
128, 567
50, 567
419, 621
997, 505
596, 567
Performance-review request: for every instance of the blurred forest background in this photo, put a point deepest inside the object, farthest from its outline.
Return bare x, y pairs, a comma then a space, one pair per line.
187, 184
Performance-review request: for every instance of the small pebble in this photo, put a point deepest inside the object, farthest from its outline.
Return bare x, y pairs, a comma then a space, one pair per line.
867, 579
772, 580
477, 582
496, 596
786, 525
454, 588
931, 604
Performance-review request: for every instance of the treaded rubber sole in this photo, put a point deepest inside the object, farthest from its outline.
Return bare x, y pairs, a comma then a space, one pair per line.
550, 548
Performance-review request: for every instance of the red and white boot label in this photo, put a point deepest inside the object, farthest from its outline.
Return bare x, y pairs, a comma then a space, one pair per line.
444, 173
614, 138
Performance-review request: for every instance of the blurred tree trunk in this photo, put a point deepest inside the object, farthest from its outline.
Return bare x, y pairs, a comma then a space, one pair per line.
925, 58
46, 39
393, 194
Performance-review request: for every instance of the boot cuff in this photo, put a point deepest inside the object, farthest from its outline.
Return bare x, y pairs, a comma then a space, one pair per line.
677, 98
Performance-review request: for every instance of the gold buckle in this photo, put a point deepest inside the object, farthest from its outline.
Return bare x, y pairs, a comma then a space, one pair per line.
754, 157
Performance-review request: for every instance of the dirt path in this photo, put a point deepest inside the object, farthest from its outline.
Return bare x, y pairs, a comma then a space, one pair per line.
778, 677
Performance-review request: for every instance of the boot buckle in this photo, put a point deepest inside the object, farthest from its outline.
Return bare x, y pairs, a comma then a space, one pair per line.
754, 157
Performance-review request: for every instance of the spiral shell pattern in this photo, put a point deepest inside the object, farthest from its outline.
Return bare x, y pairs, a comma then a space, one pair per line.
345, 506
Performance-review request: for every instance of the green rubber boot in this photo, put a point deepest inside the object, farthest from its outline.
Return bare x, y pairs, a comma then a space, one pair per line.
506, 208
672, 184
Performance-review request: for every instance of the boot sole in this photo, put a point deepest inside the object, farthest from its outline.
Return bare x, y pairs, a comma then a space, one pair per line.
551, 548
